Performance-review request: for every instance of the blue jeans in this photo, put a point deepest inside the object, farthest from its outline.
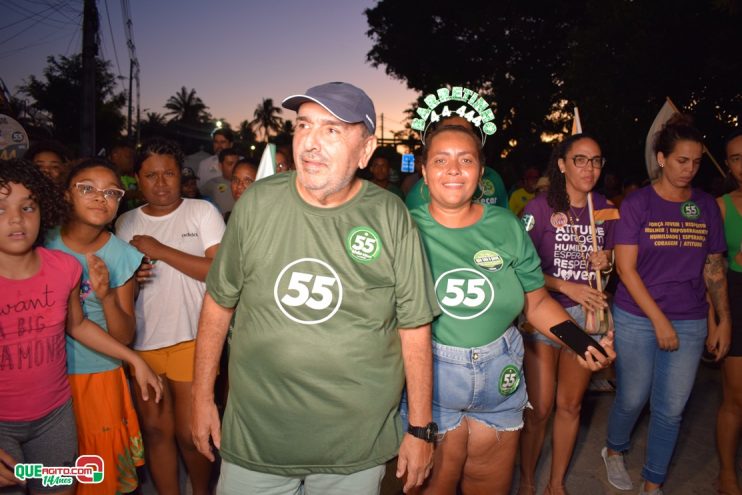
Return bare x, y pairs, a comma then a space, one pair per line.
644, 371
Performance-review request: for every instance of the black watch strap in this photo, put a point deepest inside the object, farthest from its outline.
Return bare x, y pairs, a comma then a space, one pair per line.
428, 432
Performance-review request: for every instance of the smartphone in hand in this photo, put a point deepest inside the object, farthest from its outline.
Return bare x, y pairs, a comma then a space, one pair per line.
576, 338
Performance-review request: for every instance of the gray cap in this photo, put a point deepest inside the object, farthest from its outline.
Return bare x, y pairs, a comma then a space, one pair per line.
345, 101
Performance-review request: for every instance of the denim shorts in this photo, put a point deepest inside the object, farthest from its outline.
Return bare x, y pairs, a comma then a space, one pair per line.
577, 314
483, 383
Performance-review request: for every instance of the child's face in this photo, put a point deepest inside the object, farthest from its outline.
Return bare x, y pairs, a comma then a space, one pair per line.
51, 164
94, 208
20, 220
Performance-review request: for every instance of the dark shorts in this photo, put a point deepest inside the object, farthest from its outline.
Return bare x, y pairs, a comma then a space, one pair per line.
734, 279
51, 441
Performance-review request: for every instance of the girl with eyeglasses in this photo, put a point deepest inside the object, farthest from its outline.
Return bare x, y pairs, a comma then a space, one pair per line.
560, 228
107, 424
669, 254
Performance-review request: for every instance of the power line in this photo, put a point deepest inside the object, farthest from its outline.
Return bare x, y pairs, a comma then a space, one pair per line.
36, 16
133, 60
113, 44
40, 42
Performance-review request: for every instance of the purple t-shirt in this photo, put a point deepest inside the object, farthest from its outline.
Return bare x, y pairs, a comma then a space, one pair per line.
674, 239
564, 242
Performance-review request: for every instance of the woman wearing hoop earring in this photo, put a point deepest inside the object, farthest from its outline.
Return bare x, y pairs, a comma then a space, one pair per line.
566, 240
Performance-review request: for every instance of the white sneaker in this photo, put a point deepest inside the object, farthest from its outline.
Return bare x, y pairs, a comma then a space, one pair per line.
616, 471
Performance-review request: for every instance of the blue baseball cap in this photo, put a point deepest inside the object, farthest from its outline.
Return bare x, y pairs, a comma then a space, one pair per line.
345, 101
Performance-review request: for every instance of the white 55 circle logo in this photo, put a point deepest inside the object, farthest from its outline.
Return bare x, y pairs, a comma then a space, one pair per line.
464, 293
308, 291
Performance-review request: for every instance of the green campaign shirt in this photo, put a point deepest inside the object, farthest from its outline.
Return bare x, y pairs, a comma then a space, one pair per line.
492, 192
481, 273
315, 365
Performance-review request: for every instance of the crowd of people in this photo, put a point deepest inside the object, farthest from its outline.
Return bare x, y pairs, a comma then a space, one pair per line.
363, 316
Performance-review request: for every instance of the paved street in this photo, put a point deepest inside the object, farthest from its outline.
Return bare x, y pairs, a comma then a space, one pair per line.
694, 465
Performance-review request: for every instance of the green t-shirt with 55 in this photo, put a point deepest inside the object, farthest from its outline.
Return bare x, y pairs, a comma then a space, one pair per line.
315, 369
481, 273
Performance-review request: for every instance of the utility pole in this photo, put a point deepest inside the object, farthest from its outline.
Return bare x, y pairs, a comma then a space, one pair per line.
382, 129
131, 81
89, 54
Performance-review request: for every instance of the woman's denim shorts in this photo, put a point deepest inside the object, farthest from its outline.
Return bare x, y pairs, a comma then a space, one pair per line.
577, 313
483, 383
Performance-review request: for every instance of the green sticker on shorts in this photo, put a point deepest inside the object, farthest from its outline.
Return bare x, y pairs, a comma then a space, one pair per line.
363, 244
509, 380
690, 210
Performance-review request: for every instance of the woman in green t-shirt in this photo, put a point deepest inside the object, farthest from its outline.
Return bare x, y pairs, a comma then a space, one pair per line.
486, 271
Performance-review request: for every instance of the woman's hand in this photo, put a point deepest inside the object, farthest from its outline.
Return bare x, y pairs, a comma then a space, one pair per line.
719, 339
585, 295
594, 360
99, 278
145, 271
148, 245
599, 261
667, 337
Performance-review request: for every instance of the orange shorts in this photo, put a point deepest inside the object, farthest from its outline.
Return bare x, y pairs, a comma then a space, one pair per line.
175, 361
107, 426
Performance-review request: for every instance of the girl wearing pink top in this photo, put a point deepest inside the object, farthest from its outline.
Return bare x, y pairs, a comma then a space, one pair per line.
40, 299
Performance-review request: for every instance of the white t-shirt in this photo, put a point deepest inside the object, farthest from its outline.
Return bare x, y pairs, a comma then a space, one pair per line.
169, 304
208, 169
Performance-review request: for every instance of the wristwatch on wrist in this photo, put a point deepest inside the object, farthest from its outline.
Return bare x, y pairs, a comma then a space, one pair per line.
427, 432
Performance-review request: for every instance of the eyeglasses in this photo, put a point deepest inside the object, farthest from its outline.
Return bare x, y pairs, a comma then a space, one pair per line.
282, 167
581, 161
87, 190
243, 182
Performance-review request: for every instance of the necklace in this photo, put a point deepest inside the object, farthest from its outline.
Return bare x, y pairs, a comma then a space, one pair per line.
577, 215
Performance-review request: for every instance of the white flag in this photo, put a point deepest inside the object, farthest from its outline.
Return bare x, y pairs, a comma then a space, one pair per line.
576, 124
267, 165
650, 157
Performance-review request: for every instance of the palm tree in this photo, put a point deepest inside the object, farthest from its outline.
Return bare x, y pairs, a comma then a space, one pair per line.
186, 107
246, 132
266, 118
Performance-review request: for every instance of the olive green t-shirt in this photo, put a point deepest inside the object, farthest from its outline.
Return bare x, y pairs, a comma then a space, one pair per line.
481, 273
315, 369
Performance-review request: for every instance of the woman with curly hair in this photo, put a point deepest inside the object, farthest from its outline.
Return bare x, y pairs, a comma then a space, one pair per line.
42, 299
560, 228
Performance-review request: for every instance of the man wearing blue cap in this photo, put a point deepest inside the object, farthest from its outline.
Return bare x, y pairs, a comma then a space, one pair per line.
332, 299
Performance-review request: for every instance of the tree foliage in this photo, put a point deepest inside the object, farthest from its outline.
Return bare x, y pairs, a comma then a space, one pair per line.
267, 118
187, 108
535, 61
58, 94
